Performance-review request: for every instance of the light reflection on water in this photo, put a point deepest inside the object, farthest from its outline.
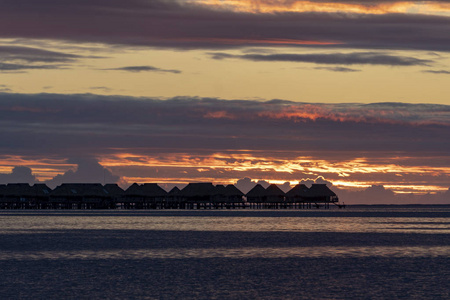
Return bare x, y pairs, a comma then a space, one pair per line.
358, 220
236, 253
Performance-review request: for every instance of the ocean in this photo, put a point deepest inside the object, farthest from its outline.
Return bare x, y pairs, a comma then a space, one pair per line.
361, 252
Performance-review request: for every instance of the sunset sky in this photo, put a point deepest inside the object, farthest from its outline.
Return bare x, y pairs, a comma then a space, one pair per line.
351, 92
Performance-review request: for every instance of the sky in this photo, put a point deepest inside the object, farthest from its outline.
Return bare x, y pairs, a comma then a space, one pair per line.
350, 93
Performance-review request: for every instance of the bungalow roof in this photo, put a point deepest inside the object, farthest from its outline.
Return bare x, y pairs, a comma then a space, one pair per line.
198, 189
146, 189
18, 189
274, 190
153, 189
257, 191
300, 190
232, 190
174, 191
220, 190
41, 190
320, 190
113, 189
80, 189
134, 189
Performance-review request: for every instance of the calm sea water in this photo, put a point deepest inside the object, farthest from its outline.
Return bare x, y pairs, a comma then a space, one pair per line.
371, 252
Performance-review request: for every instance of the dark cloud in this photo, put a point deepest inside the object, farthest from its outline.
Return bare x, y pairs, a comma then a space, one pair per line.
245, 184
180, 25
19, 59
338, 69
285, 187
88, 171
4, 88
18, 175
437, 71
98, 123
137, 69
357, 58
100, 88
7, 67
319, 180
35, 55
265, 184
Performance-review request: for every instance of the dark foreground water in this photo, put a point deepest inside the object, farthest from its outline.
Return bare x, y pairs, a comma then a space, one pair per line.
357, 253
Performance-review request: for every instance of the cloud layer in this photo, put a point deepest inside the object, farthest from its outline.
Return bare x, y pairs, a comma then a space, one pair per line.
99, 121
137, 69
357, 58
202, 139
186, 25
19, 58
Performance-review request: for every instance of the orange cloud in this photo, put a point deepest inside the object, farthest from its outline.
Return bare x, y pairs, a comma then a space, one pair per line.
301, 113
219, 115
261, 6
279, 170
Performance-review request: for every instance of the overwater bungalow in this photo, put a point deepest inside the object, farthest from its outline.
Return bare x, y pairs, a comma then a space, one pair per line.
115, 192
198, 195
227, 197
147, 195
24, 196
234, 195
321, 193
257, 196
297, 194
272, 197
174, 199
275, 196
80, 196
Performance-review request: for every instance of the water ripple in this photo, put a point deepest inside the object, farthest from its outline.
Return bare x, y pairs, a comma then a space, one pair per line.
239, 253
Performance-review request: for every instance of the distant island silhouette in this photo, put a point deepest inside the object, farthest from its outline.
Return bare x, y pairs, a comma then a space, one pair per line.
152, 196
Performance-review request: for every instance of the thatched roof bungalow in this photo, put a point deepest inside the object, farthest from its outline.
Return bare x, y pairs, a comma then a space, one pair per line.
41, 190
220, 194
274, 194
114, 189
115, 192
321, 193
22, 195
145, 193
234, 194
297, 194
199, 192
258, 194
84, 195
174, 196
17, 192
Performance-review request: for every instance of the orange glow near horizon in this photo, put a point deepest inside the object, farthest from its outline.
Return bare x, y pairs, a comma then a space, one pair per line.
43, 169
247, 161
228, 168
280, 170
255, 6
